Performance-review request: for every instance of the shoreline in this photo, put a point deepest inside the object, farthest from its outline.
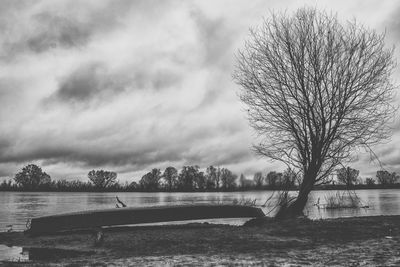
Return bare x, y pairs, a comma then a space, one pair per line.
343, 241
337, 187
324, 188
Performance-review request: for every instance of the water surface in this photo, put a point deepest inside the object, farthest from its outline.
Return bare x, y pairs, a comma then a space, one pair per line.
17, 207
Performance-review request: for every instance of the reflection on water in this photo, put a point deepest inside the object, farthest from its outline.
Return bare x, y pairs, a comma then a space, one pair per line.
20, 254
39, 254
13, 254
335, 213
379, 202
99, 200
30, 202
17, 207
388, 201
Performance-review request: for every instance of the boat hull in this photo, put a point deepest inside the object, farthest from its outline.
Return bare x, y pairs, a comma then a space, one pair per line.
125, 216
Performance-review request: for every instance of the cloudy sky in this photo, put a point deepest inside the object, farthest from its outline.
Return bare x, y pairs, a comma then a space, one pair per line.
133, 85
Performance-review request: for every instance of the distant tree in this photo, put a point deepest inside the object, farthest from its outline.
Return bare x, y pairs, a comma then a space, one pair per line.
151, 180
170, 176
102, 179
7, 185
258, 179
228, 179
273, 178
289, 177
187, 178
347, 176
133, 186
213, 177
386, 178
369, 181
200, 181
71, 186
32, 177
116, 186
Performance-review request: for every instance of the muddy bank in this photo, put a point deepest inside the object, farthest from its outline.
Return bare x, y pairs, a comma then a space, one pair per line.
343, 242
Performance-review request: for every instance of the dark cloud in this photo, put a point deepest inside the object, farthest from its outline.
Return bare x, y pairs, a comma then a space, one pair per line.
33, 153
190, 145
50, 29
136, 158
94, 82
56, 31
85, 83
97, 156
93, 157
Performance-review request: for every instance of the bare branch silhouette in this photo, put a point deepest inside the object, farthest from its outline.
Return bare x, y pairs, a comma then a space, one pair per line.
315, 90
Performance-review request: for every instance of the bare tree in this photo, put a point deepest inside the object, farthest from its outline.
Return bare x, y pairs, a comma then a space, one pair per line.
385, 177
258, 179
32, 177
171, 177
315, 89
213, 177
347, 176
273, 179
227, 179
102, 179
151, 180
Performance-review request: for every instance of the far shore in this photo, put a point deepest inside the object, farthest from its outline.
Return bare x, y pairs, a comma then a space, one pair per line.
237, 189
355, 241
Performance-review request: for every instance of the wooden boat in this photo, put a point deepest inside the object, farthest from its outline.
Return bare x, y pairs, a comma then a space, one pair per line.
124, 216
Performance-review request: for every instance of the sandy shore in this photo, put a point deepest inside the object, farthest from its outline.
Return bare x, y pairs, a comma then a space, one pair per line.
360, 241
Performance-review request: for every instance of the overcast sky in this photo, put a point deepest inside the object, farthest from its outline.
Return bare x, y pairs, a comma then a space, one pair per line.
133, 85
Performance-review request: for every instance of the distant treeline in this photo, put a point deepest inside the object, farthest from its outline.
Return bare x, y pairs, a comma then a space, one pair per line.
190, 179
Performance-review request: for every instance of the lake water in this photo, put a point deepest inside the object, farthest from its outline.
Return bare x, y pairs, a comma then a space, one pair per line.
17, 207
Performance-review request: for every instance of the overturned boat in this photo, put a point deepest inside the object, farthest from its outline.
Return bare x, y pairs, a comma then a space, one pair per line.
127, 216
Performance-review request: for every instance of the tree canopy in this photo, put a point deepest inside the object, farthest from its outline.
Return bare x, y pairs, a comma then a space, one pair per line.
347, 175
315, 89
102, 179
150, 181
31, 177
386, 178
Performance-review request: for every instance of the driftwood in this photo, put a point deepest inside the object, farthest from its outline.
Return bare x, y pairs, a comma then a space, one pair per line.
120, 202
111, 217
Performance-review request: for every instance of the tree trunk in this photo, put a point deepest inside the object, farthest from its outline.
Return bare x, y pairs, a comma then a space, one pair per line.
295, 208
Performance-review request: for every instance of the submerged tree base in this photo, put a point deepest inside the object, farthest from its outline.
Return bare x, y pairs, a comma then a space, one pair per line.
289, 212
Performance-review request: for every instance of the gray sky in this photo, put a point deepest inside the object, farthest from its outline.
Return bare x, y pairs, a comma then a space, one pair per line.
133, 85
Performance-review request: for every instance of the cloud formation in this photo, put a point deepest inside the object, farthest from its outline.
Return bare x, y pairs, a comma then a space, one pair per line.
132, 85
